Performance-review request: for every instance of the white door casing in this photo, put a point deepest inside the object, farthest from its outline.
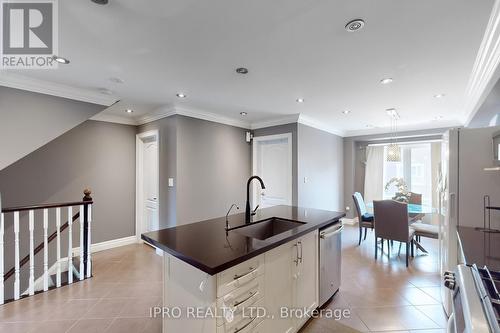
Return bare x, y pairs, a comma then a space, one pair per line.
272, 161
150, 187
147, 182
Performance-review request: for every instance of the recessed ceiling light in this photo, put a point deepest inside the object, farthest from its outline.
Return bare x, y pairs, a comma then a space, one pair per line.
243, 113
346, 111
386, 80
439, 95
242, 70
116, 80
129, 110
299, 100
60, 60
369, 126
355, 25
438, 117
101, 2
392, 112
181, 95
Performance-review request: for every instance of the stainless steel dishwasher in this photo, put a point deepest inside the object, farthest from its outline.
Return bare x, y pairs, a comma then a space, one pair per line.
330, 261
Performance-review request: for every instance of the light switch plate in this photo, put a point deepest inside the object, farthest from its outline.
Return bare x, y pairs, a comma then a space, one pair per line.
170, 182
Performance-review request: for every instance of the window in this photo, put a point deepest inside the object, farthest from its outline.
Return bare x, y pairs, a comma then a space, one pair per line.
414, 168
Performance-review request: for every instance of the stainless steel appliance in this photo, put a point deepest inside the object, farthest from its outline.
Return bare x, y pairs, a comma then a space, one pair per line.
463, 182
330, 261
476, 300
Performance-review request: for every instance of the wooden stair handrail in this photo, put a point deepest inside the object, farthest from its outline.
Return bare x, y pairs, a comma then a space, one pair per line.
46, 206
40, 247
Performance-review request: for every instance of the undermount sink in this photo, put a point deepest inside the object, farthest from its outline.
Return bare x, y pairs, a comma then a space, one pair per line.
267, 228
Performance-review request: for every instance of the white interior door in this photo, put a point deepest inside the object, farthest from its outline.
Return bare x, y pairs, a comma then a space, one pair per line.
150, 186
272, 161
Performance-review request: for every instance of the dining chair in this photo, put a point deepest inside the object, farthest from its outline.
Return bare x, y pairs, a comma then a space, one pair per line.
365, 219
391, 223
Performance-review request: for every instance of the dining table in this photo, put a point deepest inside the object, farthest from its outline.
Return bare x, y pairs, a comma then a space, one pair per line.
414, 209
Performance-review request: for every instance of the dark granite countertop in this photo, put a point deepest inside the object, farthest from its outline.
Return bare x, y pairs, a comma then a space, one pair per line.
205, 244
480, 248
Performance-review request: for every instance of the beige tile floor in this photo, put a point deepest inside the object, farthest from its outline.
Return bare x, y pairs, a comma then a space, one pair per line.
381, 295
384, 295
127, 282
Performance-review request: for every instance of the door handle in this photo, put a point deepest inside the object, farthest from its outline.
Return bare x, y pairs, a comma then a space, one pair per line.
324, 235
452, 205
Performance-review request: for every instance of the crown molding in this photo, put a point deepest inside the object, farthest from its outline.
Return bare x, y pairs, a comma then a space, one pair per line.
157, 114
308, 121
290, 119
204, 115
17, 81
485, 72
111, 118
441, 125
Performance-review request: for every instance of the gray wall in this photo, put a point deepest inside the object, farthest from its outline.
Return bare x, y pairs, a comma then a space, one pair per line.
320, 159
210, 164
41, 118
281, 129
213, 162
95, 154
167, 131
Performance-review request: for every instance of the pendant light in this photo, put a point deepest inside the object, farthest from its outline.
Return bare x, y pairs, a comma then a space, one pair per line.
393, 149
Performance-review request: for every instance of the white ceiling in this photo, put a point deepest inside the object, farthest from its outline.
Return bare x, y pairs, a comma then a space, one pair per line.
293, 48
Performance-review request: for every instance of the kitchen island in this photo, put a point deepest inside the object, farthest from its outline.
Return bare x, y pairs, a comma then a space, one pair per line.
217, 280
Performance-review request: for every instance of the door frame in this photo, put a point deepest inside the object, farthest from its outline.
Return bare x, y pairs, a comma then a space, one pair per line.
257, 139
139, 169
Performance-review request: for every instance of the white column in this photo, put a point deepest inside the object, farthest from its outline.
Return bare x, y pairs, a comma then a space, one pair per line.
45, 250
58, 247
89, 264
1, 258
17, 284
70, 245
82, 273
31, 288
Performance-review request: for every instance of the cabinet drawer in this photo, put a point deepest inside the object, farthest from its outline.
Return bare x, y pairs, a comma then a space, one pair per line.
239, 275
241, 298
242, 324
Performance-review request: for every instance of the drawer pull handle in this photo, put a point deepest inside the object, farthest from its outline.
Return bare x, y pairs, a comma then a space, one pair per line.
236, 330
251, 270
251, 294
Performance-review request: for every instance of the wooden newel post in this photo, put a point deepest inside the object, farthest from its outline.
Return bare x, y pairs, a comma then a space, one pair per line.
86, 232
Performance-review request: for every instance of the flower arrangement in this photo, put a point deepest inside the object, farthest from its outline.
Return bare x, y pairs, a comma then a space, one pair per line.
402, 193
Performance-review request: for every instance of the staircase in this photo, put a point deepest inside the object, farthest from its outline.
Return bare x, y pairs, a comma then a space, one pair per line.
75, 266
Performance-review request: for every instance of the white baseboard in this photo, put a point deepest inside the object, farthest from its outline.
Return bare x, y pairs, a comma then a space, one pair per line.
348, 221
97, 247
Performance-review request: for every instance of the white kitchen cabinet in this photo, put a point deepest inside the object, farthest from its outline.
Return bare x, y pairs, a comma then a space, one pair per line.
280, 270
306, 286
291, 282
284, 277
